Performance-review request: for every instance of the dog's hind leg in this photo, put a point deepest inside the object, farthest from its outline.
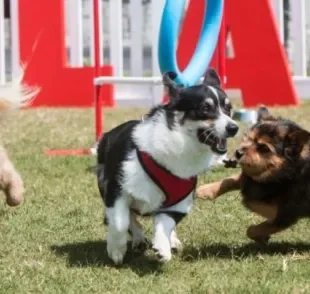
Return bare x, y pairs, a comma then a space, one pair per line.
136, 232
118, 225
163, 227
174, 241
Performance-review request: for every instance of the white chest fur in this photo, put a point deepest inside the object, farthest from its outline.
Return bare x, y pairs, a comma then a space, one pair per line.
178, 150
146, 196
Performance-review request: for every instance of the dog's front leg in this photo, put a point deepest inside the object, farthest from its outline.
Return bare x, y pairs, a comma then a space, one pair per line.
163, 227
214, 190
118, 224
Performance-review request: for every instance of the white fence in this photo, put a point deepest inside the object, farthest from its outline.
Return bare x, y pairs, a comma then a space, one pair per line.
129, 40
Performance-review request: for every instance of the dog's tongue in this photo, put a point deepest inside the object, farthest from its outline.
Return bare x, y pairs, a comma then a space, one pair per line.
221, 144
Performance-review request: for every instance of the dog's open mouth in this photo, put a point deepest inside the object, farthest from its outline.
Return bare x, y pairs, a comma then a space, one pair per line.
218, 145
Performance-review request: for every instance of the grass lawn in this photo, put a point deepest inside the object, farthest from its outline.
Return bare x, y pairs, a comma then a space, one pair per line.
54, 242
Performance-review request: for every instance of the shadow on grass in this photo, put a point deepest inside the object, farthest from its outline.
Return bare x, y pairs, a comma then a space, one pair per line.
229, 251
94, 254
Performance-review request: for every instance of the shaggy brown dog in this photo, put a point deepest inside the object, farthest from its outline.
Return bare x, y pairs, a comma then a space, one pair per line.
12, 97
275, 180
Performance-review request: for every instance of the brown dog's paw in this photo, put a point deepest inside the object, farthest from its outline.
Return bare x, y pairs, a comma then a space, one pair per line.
15, 192
253, 235
230, 163
207, 192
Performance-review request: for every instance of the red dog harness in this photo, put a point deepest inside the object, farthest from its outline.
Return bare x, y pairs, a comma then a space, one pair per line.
174, 188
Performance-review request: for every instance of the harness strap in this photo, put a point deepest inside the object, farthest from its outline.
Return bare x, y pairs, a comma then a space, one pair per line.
174, 188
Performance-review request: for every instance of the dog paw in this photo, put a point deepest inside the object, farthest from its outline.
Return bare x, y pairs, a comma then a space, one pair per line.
230, 163
15, 192
14, 201
117, 254
140, 243
162, 254
176, 244
252, 234
207, 192
261, 240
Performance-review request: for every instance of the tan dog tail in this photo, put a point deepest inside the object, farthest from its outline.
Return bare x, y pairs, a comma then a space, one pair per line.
16, 95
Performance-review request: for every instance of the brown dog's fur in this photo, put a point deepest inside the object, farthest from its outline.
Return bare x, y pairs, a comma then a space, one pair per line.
12, 97
275, 175
11, 182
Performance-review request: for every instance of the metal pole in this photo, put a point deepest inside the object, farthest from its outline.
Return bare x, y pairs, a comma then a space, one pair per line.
98, 102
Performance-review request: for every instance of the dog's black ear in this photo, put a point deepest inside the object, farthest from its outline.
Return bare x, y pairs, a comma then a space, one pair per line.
297, 141
264, 114
212, 78
301, 137
172, 89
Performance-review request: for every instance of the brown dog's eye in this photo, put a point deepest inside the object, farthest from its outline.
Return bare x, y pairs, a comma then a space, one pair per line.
263, 148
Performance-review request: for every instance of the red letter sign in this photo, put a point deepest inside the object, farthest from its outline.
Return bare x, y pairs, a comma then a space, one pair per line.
260, 68
42, 48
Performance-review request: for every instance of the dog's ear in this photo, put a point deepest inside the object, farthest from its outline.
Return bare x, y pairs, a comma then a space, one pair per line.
171, 88
212, 78
263, 114
296, 143
301, 137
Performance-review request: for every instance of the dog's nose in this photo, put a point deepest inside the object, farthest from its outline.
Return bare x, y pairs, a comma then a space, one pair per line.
239, 153
232, 129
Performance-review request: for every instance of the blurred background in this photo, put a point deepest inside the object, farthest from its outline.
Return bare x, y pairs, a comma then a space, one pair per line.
146, 31
129, 30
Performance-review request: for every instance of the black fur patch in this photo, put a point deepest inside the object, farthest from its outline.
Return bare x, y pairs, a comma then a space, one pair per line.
112, 150
193, 103
176, 216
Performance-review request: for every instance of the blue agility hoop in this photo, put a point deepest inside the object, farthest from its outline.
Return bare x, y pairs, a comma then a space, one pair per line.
168, 40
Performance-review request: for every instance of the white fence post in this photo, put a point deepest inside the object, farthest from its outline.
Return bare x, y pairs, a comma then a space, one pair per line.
278, 12
136, 38
2, 44
75, 29
90, 12
116, 35
157, 10
299, 37
15, 63
89, 9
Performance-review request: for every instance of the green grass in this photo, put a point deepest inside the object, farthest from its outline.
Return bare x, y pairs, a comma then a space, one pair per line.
54, 242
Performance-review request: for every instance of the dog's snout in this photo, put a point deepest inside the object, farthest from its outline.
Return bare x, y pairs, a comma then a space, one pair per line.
231, 129
239, 153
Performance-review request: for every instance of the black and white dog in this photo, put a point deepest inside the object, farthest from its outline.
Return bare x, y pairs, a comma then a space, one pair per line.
150, 167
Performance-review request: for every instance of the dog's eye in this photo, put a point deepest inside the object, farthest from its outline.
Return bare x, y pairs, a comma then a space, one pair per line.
205, 108
263, 148
228, 108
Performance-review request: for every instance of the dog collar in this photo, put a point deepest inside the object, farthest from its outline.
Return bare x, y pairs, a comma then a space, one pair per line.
174, 188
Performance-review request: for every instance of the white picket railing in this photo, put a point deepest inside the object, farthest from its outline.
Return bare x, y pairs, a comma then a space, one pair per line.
2, 44
129, 40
